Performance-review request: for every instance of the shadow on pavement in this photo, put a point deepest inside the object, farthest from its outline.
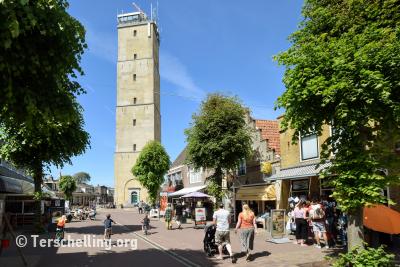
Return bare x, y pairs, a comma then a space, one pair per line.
99, 229
260, 254
148, 257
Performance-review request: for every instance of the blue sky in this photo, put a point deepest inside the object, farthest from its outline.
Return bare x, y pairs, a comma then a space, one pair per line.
206, 46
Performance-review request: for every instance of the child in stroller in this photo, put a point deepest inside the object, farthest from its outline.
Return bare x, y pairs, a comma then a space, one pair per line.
210, 248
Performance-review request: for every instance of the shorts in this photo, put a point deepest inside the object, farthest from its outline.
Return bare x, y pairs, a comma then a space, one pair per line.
318, 227
222, 237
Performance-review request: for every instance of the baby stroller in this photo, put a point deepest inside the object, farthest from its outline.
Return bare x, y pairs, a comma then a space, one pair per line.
210, 248
92, 215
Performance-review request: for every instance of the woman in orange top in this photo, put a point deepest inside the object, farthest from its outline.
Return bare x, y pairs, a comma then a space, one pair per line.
247, 224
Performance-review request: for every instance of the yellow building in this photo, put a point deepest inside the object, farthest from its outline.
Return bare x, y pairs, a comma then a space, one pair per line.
138, 100
299, 171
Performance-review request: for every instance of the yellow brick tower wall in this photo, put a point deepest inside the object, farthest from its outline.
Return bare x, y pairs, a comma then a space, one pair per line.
137, 78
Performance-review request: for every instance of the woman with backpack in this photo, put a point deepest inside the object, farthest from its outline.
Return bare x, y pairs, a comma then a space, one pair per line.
317, 216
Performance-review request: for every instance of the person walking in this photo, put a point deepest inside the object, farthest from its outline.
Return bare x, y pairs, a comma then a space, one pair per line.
299, 214
178, 214
222, 219
140, 206
317, 216
168, 216
248, 227
146, 224
108, 227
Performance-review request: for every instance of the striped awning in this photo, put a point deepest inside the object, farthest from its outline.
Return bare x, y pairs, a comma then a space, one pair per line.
299, 172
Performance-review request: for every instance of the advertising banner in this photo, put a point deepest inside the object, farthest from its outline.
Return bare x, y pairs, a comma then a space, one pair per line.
200, 216
278, 223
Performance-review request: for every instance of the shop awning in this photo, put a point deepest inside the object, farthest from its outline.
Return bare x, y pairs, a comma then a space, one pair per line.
256, 193
299, 172
17, 186
186, 190
382, 219
10, 185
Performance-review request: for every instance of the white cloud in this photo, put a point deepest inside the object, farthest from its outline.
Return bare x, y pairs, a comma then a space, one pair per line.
175, 72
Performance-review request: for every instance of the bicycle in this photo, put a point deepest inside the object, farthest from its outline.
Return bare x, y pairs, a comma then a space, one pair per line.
59, 233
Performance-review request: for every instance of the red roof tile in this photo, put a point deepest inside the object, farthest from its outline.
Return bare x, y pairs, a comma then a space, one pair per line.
270, 132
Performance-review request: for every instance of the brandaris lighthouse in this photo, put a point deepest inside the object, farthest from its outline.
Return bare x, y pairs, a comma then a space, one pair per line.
138, 119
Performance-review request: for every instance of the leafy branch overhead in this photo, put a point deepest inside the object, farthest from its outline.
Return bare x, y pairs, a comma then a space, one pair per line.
150, 167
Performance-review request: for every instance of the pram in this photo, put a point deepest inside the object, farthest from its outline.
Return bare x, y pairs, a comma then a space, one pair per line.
210, 248
92, 215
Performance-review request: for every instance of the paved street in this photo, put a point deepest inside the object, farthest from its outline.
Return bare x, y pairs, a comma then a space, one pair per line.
160, 248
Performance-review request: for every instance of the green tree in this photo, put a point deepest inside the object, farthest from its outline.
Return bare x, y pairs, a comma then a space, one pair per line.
343, 69
218, 138
68, 186
82, 177
150, 167
40, 120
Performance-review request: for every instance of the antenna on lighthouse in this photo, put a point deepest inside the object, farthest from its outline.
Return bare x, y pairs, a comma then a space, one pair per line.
137, 7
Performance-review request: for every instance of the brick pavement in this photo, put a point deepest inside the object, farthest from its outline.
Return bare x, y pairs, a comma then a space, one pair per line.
191, 239
161, 248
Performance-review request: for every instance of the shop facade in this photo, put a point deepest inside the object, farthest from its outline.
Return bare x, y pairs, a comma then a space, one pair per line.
302, 182
260, 198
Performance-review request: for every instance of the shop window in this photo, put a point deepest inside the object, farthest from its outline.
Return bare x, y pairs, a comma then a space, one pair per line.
300, 188
309, 146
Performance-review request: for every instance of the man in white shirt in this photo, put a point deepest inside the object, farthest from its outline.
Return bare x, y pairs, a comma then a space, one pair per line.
222, 220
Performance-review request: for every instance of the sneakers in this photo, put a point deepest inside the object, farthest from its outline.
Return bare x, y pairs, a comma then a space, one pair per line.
318, 246
233, 259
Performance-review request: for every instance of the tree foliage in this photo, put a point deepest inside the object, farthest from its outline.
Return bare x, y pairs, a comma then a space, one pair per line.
218, 138
67, 186
374, 257
40, 52
343, 69
81, 177
150, 167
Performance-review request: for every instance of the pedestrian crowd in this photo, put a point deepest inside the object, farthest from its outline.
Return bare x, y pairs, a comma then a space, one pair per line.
315, 220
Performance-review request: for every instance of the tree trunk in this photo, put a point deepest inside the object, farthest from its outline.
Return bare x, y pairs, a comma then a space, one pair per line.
355, 229
37, 177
